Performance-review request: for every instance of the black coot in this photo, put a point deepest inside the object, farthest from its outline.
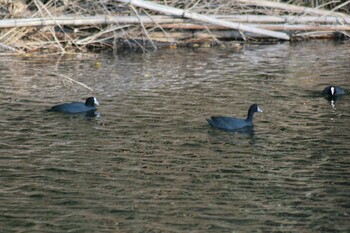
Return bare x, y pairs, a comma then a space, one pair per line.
333, 92
77, 107
232, 123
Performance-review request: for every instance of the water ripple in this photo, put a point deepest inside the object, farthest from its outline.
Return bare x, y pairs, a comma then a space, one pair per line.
150, 162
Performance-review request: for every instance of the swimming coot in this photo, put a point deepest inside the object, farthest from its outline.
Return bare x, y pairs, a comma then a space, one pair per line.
77, 107
232, 123
333, 92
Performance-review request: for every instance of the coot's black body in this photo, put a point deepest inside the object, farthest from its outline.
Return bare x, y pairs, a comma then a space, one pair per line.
76, 107
333, 92
232, 123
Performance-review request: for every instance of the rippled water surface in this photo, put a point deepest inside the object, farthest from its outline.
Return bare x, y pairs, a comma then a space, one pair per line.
150, 163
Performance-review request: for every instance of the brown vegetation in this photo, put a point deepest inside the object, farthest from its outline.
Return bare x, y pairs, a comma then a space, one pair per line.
61, 25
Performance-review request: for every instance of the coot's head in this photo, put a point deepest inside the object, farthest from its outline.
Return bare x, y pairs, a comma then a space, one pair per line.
333, 91
330, 90
254, 108
91, 101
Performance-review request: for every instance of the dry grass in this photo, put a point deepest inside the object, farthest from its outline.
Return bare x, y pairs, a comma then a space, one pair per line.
63, 38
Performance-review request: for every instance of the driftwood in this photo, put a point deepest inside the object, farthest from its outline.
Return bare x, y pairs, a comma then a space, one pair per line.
204, 18
168, 22
283, 19
293, 8
84, 20
106, 19
200, 36
272, 27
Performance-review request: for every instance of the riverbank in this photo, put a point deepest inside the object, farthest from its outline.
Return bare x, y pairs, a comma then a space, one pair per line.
64, 26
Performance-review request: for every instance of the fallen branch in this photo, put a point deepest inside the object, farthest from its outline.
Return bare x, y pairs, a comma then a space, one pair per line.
272, 27
293, 8
284, 19
200, 36
106, 19
203, 18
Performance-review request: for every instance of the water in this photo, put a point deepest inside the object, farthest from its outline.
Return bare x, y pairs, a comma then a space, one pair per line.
150, 163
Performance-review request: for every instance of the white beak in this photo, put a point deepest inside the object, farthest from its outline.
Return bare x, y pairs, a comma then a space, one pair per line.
95, 101
259, 109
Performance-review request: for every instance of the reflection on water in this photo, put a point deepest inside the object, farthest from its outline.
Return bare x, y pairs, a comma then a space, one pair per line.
150, 162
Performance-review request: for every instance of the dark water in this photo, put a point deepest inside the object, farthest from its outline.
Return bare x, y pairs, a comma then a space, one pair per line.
150, 163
